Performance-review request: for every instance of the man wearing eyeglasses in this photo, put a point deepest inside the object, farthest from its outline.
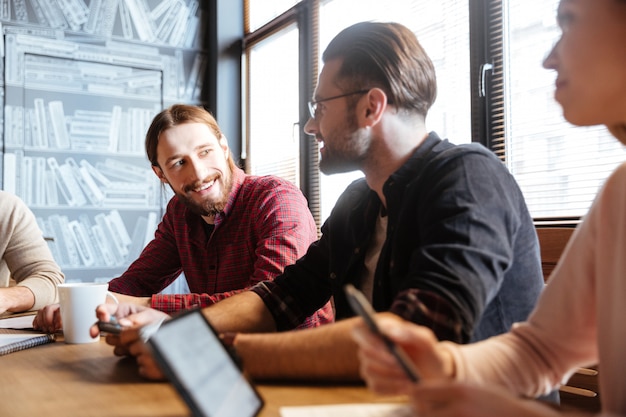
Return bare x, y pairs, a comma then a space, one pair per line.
435, 233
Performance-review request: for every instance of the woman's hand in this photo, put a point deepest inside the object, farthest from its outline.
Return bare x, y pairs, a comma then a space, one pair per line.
380, 368
453, 399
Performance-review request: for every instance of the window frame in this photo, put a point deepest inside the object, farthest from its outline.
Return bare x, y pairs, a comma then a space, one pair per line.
487, 78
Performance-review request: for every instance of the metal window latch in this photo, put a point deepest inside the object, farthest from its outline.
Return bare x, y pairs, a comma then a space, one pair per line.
481, 82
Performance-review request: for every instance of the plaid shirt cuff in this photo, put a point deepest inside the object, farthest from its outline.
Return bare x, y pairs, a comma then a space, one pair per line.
281, 305
431, 310
172, 303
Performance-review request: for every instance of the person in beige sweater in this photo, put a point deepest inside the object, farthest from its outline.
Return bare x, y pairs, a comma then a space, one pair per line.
28, 273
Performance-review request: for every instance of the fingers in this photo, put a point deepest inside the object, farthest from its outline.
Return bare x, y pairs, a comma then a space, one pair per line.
146, 364
384, 380
128, 342
148, 368
48, 319
105, 311
422, 346
129, 315
122, 342
378, 367
94, 330
382, 371
121, 351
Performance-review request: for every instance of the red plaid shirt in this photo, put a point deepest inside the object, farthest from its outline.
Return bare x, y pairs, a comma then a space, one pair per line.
265, 226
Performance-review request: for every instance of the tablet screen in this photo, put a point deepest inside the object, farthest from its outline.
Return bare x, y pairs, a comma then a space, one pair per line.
203, 371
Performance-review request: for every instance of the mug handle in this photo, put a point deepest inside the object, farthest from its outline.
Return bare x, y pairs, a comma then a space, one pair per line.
113, 297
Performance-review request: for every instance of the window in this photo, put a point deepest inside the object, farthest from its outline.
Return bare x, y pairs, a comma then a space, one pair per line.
273, 121
273, 106
261, 12
492, 89
558, 166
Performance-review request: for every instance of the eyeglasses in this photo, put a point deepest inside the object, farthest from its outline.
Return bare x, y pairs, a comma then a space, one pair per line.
313, 105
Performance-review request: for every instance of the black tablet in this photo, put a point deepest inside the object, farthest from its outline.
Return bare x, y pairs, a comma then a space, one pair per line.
202, 369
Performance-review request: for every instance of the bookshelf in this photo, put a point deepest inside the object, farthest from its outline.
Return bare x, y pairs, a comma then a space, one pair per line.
81, 82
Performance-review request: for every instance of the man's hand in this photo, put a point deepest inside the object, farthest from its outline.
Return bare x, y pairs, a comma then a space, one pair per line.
48, 319
129, 342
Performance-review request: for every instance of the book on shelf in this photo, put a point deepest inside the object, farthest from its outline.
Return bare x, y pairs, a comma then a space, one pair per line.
9, 177
75, 12
82, 243
57, 119
140, 16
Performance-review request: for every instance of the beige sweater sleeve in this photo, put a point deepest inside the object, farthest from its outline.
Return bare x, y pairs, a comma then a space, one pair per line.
25, 255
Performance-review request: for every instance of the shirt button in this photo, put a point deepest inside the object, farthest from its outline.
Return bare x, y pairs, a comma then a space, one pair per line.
357, 250
333, 275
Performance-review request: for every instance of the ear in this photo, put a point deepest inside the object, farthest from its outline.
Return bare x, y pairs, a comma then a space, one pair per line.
159, 173
376, 105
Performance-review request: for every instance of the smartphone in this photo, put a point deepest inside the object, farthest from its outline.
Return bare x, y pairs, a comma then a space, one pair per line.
362, 307
111, 326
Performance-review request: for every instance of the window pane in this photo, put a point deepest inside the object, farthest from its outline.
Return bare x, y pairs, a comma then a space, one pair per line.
442, 28
262, 11
274, 99
558, 166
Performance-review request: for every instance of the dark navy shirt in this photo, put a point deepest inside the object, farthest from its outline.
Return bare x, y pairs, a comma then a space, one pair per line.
461, 253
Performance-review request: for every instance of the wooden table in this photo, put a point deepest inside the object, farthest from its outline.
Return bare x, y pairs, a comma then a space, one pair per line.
63, 380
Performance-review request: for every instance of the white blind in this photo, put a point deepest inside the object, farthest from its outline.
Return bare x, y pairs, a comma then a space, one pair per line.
261, 12
273, 107
559, 167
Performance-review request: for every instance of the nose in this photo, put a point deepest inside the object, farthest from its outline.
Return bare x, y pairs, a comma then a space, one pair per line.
310, 128
198, 170
550, 61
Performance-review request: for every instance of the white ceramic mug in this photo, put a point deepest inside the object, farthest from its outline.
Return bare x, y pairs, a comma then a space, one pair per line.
78, 309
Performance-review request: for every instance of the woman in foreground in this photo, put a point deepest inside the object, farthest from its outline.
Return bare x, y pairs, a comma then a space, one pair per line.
580, 318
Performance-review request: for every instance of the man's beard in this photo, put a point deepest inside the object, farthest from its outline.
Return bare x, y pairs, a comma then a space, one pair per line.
355, 144
210, 207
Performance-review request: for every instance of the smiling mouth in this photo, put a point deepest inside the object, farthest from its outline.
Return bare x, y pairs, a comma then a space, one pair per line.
205, 186
197, 188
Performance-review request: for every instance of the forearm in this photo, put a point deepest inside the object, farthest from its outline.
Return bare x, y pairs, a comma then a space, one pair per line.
37, 273
243, 312
324, 353
129, 299
16, 299
173, 303
516, 363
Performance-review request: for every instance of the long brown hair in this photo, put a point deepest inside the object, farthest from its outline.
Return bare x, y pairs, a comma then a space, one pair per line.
175, 115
